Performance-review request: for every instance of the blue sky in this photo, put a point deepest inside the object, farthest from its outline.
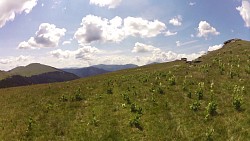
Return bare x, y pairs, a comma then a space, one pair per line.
80, 33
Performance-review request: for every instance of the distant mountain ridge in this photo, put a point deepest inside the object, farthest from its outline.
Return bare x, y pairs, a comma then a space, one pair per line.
36, 73
97, 69
86, 72
115, 67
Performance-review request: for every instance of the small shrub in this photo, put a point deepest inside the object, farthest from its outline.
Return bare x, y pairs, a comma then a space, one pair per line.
166, 104
30, 124
221, 67
199, 95
211, 108
94, 120
211, 91
204, 68
78, 95
135, 122
160, 90
184, 85
209, 134
136, 109
63, 98
247, 69
133, 108
126, 98
172, 80
189, 94
233, 72
29, 130
200, 90
195, 106
109, 91
238, 97
237, 103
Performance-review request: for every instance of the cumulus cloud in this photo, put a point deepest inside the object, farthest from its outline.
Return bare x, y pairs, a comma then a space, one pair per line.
169, 33
142, 48
94, 28
9, 9
83, 53
103, 3
176, 21
244, 10
47, 36
163, 56
12, 61
215, 47
158, 55
143, 28
205, 29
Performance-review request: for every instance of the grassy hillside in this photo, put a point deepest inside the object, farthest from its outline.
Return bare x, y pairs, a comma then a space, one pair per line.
207, 100
3, 75
32, 69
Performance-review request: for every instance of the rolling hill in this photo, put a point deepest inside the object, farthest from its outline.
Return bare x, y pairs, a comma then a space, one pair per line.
206, 99
3, 75
32, 69
34, 74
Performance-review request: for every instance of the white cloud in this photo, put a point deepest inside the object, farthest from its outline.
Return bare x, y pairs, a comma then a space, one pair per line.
169, 33
176, 21
86, 56
95, 28
162, 56
83, 53
205, 29
178, 43
142, 48
61, 53
9, 9
244, 10
11, 61
103, 3
215, 47
143, 28
158, 55
47, 36
192, 3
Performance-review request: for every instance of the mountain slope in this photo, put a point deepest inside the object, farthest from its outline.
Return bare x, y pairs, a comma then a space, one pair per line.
115, 67
206, 99
86, 72
34, 74
32, 69
3, 74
